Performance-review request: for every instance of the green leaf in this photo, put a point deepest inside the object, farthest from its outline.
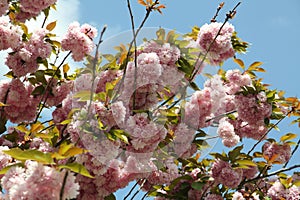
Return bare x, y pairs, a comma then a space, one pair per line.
288, 136
31, 154
194, 86
84, 95
110, 197
233, 154
40, 76
185, 66
77, 168
161, 33
246, 162
38, 90
197, 185
4, 170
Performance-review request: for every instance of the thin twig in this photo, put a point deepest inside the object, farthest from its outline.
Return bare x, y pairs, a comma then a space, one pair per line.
47, 86
95, 61
273, 173
135, 53
131, 190
61, 194
217, 12
44, 22
149, 10
136, 193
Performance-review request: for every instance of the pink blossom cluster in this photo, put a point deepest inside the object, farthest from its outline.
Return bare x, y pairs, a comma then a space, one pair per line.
117, 175
183, 138
14, 92
107, 76
235, 80
252, 110
145, 135
198, 109
10, 35
79, 40
162, 176
168, 55
223, 173
277, 152
61, 113
277, 192
3, 7
38, 182
156, 69
57, 92
141, 81
33, 8
24, 59
227, 134
4, 158
217, 50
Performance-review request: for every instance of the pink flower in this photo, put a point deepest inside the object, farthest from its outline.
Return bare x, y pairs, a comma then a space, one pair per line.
221, 49
4, 158
250, 172
15, 93
227, 133
293, 193
79, 40
276, 152
277, 191
35, 6
250, 110
183, 138
10, 35
198, 110
223, 173
3, 7
168, 54
238, 196
24, 59
145, 134
38, 182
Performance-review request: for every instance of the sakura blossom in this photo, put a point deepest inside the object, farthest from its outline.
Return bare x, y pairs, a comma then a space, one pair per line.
38, 182
276, 152
198, 109
79, 40
223, 173
10, 34
3, 7
221, 49
24, 59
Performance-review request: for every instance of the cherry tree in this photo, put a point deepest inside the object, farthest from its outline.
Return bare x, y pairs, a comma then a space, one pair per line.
138, 115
